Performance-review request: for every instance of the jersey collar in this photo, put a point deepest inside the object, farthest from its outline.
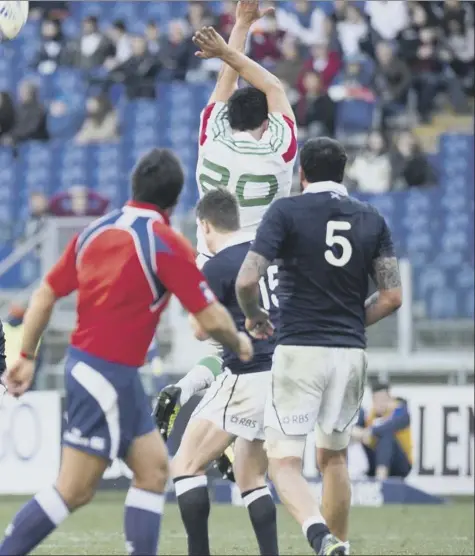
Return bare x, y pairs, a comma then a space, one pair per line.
147, 209
235, 239
326, 187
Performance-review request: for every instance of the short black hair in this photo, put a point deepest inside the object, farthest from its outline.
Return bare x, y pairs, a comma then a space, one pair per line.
158, 179
323, 159
92, 19
379, 386
119, 25
221, 209
247, 109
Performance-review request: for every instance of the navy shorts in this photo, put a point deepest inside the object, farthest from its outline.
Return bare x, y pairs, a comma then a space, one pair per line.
106, 406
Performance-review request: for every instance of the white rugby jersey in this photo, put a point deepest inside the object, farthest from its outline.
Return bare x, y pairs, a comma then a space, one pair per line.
258, 172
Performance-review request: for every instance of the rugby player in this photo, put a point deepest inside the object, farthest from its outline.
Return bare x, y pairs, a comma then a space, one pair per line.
233, 407
124, 267
328, 245
248, 145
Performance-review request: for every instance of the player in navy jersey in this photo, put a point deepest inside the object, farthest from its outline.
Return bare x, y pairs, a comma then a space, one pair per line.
124, 267
328, 245
233, 407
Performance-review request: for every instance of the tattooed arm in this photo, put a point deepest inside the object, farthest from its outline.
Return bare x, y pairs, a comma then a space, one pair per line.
247, 292
388, 298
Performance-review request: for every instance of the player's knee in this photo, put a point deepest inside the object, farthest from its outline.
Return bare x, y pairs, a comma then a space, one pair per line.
75, 495
330, 459
185, 464
154, 478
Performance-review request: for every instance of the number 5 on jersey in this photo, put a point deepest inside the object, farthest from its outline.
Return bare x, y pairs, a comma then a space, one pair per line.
267, 287
333, 238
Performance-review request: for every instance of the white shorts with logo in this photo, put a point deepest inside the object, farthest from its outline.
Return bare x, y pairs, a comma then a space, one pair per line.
235, 403
316, 388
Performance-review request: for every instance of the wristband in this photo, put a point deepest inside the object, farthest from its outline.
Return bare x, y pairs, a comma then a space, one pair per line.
27, 356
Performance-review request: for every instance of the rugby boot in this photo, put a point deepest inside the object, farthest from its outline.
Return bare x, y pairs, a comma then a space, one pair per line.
167, 407
332, 546
224, 464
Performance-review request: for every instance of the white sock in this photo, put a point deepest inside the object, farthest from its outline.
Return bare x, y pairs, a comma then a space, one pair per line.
199, 378
347, 546
312, 521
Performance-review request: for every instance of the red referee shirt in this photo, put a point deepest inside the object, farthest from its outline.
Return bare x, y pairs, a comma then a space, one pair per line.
125, 265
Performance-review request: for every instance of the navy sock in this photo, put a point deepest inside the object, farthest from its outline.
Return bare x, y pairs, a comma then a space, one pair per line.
143, 514
315, 534
263, 516
33, 523
193, 501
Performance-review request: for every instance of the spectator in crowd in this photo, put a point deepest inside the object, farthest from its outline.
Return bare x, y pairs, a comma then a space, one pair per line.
266, 45
385, 433
119, 37
387, 18
92, 48
226, 18
461, 55
339, 10
326, 63
409, 164
65, 116
392, 80
78, 201
371, 169
38, 207
101, 123
287, 69
178, 51
199, 15
355, 81
352, 31
454, 10
7, 114
30, 121
52, 49
138, 73
316, 111
45, 9
312, 22
153, 38
427, 58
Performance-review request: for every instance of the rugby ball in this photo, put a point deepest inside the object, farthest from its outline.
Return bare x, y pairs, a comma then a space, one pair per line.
13, 15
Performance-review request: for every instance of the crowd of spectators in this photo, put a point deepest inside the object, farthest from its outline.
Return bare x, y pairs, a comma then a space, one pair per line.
382, 53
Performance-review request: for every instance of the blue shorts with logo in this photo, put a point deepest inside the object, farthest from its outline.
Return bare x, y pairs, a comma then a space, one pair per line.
106, 406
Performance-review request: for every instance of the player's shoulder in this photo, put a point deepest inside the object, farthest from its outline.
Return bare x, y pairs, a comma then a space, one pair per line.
228, 261
168, 240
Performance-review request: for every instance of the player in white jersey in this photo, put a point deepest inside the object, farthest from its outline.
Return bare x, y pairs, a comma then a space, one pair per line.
248, 145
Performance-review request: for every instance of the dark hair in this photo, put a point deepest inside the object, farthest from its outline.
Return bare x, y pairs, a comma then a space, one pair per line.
92, 19
247, 109
323, 159
120, 26
221, 209
380, 386
158, 179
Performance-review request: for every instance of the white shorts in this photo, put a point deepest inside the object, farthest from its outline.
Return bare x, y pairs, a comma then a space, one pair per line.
235, 403
316, 388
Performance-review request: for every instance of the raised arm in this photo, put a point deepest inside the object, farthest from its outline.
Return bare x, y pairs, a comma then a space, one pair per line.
212, 45
247, 12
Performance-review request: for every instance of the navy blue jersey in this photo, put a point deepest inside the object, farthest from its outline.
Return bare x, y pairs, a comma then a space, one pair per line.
221, 272
325, 243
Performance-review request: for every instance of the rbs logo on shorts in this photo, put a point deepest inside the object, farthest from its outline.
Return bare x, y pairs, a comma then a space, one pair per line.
295, 419
243, 422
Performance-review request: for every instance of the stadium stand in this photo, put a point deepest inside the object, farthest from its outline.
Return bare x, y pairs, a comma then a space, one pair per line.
336, 42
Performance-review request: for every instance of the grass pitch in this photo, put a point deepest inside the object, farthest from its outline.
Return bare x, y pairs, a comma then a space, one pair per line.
97, 529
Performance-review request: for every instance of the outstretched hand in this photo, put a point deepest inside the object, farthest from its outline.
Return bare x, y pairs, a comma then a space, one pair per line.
210, 43
248, 12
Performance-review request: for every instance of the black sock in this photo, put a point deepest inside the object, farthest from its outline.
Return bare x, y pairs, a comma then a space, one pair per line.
193, 501
263, 516
315, 535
